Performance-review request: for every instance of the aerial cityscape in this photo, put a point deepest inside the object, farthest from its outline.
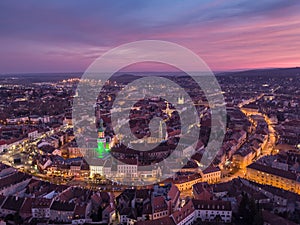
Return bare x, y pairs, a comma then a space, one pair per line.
94, 131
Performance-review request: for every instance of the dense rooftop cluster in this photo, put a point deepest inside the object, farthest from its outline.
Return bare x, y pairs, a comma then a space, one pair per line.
47, 176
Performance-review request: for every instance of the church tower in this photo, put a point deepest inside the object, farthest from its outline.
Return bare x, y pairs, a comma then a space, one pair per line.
180, 100
102, 144
168, 110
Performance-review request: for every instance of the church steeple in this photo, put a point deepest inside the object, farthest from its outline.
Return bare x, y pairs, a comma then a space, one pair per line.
168, 110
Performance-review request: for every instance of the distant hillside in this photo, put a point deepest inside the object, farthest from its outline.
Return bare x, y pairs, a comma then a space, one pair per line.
36, 77
265, 72
129, 77
124, 78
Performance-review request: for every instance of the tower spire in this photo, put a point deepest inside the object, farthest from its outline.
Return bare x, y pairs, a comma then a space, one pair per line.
160, 134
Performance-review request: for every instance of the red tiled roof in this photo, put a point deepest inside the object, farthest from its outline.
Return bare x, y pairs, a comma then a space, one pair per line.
79, 211
271, 218
13, 203
62, 206
184, 212
211, 169
173, 193
13, 179
41, 203
202, 187
186, 178
159, 204
27, 205
161, 221
211, 205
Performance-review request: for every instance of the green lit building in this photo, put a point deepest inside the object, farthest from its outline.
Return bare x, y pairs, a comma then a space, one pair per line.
102, 143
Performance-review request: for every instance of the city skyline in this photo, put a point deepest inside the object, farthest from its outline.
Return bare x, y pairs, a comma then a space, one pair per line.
150, 112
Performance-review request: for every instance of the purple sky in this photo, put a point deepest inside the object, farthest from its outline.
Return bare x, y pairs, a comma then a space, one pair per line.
66, 36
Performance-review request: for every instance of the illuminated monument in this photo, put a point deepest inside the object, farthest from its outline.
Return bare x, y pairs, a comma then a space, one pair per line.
102, 143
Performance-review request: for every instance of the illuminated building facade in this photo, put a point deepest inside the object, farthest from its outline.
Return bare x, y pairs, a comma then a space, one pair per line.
275, 177
102, 143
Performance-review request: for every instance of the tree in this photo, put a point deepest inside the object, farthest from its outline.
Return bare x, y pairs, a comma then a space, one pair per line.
249, 212
258, 218
17, 218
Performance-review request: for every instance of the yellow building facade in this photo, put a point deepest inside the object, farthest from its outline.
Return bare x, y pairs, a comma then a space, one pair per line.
268, 175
